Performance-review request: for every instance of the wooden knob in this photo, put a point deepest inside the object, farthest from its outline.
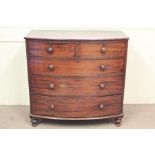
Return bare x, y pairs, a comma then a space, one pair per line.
51, 86
102, 85
102, 67
52, 106
50, 67
101, 106
103, 50
50, 50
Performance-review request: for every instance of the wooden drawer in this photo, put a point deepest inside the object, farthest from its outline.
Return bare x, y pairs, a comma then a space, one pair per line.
76, 107
105, 49
55, 86
50, 49
75, 68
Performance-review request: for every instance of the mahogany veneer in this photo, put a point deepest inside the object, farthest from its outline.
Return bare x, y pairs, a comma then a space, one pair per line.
76, 75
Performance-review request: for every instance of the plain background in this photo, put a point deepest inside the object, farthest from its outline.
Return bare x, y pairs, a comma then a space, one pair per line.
135, 17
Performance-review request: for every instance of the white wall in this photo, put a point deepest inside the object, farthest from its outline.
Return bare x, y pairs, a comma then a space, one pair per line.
140, 83
140, 77
77, 13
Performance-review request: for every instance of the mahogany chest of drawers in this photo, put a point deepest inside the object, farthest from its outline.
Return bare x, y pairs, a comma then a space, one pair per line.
76, 75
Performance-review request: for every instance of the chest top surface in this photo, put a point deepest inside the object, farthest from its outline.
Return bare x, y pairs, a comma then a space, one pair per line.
76, 35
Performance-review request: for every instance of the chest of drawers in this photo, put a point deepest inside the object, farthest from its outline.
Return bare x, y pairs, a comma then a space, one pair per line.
76, 75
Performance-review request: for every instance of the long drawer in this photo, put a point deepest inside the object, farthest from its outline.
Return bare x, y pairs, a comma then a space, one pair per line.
48, 85
75, 67
76, 107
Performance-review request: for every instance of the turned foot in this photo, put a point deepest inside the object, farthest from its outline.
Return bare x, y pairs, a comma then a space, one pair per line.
34, 121
118, 121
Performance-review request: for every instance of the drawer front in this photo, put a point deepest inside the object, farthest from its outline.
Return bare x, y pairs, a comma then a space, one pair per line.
76, 107
106, 49
75, 68
55, 86
49, 49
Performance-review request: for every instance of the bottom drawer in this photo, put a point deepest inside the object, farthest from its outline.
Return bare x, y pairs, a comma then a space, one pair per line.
75, 107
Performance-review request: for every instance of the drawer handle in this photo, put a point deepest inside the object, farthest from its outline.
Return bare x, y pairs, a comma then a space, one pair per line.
102, 67
52, 106
101, 106
103, 50
50, 67
102, 85
50, 50
51, 86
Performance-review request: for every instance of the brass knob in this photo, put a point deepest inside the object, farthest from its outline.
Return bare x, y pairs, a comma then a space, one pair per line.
52, 106
102, 67
50, 50
51, 86
102, 85
101, 106
50, 67
103, 50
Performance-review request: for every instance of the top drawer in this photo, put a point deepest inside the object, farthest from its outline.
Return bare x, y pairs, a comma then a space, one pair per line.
85, 49
45, 48
105, 49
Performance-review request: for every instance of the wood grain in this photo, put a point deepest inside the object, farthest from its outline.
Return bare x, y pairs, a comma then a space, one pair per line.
59, 50
76, 87
37, 116
76, 75
75, 67
113, 49
76, 107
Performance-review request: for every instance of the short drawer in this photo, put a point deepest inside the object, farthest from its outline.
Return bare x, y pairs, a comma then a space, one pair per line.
57, 86
75, 68
105, 49
50, 49
76, 107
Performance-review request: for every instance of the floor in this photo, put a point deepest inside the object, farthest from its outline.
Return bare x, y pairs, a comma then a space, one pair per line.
136, 117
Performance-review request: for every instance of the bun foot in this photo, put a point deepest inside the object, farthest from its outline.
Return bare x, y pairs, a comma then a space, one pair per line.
34, 121
118, 121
